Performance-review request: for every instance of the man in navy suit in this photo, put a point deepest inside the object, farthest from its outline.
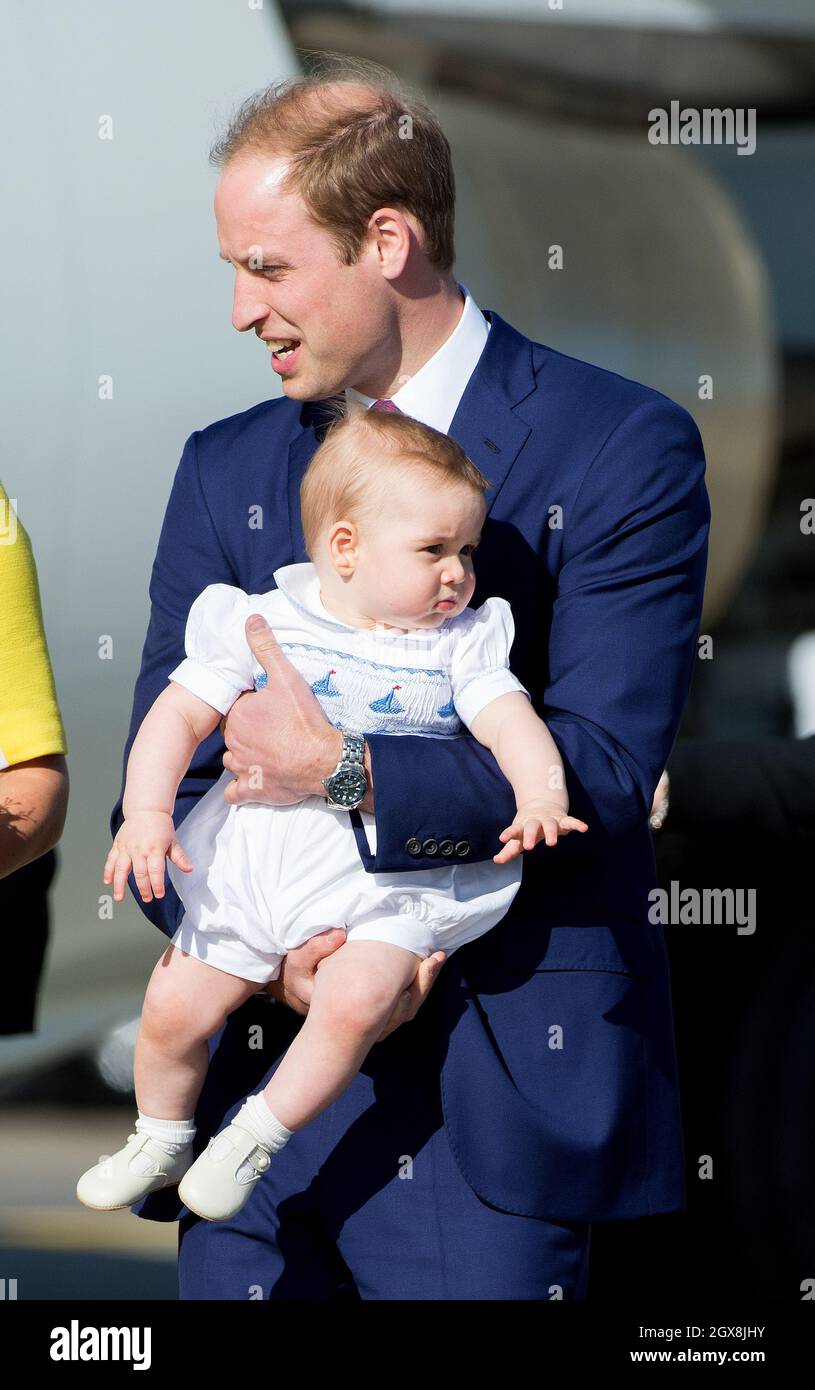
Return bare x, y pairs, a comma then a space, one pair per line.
534, 1089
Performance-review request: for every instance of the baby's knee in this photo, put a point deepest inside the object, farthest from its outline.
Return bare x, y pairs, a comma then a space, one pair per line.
357, 1000
174, 1013
354, 1014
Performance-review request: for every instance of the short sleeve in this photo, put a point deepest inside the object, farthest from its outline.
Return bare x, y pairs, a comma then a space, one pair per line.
30, 721
479, 658
219, 664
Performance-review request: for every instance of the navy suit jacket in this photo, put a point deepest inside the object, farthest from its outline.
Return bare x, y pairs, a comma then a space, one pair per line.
558, 1027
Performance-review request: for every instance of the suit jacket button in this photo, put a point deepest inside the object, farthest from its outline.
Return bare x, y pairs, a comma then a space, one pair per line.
413, 846
462, 848
446, 847
431, 846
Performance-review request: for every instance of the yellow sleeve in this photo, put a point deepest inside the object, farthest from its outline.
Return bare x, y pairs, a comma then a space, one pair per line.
30, 721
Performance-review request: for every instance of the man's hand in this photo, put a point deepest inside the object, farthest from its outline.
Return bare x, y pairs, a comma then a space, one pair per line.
410, 1000
279, 741
295, 982
661, 802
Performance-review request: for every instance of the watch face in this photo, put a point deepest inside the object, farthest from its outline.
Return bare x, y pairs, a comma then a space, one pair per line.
349, 786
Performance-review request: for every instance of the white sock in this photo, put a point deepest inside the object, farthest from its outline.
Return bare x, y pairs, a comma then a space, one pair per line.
171, 1135
256, 1116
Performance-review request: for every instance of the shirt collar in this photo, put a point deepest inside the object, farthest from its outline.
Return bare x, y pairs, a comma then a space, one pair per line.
301, 585
432, 395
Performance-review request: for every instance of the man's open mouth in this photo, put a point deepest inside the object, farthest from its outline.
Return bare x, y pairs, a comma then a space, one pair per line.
282, 347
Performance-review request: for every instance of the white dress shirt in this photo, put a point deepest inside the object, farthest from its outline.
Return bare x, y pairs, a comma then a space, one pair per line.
432, 394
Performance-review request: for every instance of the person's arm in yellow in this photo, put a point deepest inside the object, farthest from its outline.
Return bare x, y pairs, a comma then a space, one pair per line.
33, 770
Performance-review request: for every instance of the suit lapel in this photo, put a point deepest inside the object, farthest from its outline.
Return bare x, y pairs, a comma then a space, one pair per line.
314, 423
485, 423
301, 450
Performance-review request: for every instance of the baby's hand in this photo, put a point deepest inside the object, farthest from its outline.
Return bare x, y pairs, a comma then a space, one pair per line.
144, 840
534, 821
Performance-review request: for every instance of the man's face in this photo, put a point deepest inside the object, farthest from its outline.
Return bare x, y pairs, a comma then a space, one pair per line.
340, 316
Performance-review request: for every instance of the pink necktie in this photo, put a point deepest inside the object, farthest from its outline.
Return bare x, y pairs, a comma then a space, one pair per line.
386, 405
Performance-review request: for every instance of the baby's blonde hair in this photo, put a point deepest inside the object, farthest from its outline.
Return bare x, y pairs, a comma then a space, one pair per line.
348, 475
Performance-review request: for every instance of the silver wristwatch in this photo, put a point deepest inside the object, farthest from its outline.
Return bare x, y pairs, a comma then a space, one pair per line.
347, 784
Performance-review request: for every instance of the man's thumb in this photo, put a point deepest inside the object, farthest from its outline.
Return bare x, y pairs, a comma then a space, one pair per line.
260, 637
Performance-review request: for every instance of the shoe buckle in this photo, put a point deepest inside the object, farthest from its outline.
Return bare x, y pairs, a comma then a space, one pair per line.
257, 1156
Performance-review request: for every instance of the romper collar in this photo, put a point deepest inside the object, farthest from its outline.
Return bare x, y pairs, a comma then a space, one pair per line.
301, 585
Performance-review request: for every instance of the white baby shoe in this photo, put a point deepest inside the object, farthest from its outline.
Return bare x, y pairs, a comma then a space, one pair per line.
112, 1184
223, 1177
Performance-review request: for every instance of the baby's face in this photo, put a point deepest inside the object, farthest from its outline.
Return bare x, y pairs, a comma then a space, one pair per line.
420, 553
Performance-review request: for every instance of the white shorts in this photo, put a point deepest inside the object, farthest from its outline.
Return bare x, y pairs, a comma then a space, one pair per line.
267, 878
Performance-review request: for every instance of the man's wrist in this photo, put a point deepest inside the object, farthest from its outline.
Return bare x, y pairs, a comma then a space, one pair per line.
331, 756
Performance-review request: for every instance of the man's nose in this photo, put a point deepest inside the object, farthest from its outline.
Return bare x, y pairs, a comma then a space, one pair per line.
247, 306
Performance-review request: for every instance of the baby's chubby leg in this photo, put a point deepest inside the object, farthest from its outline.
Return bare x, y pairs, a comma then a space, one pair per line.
355, 990
187, 1001
353, 996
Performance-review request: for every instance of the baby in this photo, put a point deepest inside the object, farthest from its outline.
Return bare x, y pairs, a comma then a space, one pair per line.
378, 624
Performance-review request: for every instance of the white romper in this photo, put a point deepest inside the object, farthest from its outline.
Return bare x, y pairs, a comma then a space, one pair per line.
266, 878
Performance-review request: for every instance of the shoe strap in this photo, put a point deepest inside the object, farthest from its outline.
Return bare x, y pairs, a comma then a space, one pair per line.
247, 1145
150, 1147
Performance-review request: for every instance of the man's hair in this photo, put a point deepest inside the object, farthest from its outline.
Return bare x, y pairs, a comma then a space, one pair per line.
355, 138
351, 472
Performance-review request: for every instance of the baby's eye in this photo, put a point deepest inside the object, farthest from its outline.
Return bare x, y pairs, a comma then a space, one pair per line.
469, 548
